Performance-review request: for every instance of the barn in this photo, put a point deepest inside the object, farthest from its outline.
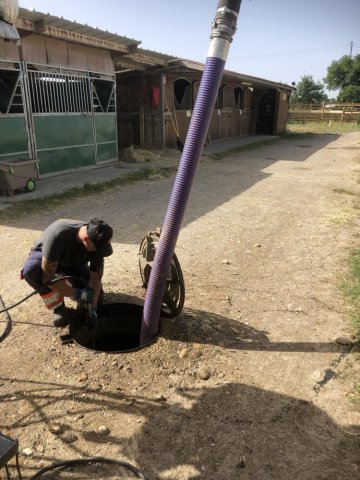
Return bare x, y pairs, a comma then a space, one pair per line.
156, 100
71, 95
58, 93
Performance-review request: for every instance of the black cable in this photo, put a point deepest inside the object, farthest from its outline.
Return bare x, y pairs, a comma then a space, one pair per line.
4, 309
7, 471
80, 461
8, 325
18, 466
38, 289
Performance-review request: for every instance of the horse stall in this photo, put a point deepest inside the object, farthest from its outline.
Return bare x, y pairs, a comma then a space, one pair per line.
58, 93
155, 105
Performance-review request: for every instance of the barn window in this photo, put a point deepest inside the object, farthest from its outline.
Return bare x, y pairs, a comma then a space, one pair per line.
238, 94
182, 94
11, 99
103, 95
228, 97
59, 93
218, 101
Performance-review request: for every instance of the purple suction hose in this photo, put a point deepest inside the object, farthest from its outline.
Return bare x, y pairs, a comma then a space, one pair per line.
223, 29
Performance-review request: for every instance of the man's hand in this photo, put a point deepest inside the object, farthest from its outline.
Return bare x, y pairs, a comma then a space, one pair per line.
92, 317
85, 295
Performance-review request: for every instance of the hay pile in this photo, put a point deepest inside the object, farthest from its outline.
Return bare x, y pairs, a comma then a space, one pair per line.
137, 155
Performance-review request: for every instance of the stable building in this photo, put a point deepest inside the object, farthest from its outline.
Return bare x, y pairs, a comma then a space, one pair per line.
58, 93
72, 95
156, 99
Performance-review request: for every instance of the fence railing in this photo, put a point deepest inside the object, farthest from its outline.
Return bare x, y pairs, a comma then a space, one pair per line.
324, 112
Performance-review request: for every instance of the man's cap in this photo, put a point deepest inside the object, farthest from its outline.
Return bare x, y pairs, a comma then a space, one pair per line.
100, 233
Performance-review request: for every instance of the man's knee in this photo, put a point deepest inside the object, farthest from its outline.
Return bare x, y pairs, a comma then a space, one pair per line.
32, 272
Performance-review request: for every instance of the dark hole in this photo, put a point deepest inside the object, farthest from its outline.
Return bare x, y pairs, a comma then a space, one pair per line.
117, 330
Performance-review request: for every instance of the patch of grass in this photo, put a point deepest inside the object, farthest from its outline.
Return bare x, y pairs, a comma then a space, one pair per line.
294, 135
335, 128
351, 289
345, 191
20, 208
244, 148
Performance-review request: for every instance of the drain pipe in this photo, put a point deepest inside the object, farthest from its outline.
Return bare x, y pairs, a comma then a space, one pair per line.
223, 29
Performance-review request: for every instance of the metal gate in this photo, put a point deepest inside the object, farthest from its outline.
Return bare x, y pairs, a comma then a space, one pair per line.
66, 119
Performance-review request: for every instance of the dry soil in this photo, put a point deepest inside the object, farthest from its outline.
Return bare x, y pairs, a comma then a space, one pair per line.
248, 382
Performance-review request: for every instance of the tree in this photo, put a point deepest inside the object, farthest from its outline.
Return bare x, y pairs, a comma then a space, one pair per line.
308, 91
344, 74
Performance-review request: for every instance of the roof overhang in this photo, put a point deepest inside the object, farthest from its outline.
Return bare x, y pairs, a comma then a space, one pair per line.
179, 65
30, 21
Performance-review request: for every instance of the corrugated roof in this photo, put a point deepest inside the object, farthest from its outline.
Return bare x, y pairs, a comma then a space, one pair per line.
73, 26
248, 79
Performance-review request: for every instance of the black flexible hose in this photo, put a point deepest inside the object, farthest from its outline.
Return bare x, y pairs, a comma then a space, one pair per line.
5, 310
38, 289
80, 461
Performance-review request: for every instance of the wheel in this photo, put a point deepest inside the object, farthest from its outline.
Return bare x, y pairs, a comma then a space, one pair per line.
174, 295
30, 185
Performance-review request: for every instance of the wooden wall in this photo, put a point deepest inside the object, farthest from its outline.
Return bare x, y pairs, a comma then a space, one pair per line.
140, 122
48, 51
140, 111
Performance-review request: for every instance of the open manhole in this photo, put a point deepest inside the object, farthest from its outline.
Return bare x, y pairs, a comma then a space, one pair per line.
117, 329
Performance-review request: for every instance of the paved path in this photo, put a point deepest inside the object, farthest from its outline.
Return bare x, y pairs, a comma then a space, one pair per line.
77, 178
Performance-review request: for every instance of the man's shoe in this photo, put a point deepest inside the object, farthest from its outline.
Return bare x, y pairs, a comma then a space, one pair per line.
63, 316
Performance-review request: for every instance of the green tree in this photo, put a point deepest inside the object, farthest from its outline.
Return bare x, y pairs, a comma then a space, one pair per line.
308, 91
344, 75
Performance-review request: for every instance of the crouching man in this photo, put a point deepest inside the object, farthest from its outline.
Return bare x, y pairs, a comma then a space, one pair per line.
69, 248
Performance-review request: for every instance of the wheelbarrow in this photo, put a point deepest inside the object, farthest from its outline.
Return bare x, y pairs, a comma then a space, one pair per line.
18, 174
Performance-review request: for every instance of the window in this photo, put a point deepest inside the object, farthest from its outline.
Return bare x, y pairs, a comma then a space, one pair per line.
182, 97
11, 99
59, 93
238, 96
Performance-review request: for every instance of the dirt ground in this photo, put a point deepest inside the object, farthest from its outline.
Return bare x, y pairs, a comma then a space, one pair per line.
262, 249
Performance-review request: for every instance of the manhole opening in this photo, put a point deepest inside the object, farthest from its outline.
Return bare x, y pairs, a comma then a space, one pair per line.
117, 330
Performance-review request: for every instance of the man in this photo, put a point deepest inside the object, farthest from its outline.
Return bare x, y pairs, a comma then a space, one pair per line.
69, 247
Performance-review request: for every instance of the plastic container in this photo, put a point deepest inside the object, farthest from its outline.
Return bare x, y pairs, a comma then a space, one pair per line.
18, 174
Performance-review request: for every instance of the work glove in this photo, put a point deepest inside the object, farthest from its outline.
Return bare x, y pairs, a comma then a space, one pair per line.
92, 318
85, 295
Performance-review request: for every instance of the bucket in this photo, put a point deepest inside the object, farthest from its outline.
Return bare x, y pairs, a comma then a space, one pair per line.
116, 331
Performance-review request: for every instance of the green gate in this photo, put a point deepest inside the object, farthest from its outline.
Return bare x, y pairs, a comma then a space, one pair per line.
65, 120
14, 135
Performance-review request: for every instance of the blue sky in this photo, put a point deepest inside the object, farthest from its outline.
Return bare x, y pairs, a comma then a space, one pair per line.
280, 40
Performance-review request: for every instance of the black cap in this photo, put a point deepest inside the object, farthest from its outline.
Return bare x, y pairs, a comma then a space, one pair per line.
100, 233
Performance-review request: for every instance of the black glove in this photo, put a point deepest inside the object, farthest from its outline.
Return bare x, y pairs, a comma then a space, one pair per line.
85, 295
92, 318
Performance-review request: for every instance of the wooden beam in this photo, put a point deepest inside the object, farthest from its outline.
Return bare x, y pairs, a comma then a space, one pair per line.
128, 62
40, 27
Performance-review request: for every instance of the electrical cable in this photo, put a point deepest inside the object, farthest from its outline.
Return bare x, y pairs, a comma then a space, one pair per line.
18, 466
80, 461
5, 310
38, 289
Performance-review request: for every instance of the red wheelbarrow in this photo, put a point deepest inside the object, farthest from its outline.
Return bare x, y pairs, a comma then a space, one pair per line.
18, 174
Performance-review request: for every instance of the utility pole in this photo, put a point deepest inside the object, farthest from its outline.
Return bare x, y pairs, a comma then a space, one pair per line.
351, 47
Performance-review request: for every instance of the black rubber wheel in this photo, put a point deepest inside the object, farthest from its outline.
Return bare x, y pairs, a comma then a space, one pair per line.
30, 185
174, 295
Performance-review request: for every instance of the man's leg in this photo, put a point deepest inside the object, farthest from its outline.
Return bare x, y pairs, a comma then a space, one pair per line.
80, 278
53, 300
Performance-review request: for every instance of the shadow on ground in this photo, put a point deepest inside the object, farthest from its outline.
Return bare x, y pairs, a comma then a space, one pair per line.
227, 432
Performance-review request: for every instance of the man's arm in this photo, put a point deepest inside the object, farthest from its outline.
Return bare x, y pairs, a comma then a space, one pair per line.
95, 284
48, 274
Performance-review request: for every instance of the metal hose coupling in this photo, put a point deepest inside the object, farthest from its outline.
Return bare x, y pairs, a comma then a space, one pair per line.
223, 28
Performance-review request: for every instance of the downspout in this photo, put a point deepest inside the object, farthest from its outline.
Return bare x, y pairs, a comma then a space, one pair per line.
223, 29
